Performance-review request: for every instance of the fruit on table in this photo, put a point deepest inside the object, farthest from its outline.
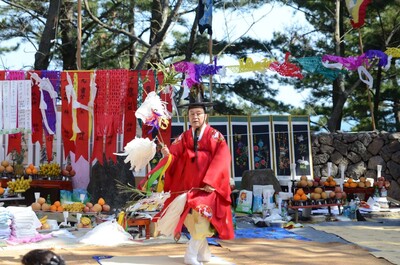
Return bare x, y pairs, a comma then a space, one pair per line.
45, 224
5, 163
50, 169
300, 195
40, 205
68, 171
56, 207
9, 169
19, 185
31, 170
74, 207
85, 222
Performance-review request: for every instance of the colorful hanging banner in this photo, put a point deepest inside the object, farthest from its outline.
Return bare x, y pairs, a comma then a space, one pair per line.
84, 113
248, 65
108, 113
37, 127
67, 86
14, 138
394, 52
357, 10
287, 68
130, 108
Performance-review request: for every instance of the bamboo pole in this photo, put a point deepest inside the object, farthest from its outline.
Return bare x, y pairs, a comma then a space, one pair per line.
371, 107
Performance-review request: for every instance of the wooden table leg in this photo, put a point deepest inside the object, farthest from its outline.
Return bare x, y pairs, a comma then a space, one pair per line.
140, 222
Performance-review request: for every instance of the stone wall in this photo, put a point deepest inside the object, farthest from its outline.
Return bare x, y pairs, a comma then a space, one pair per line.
360, 153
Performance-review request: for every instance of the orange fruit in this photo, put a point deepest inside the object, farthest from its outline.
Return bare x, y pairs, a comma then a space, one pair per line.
346, 184
296, 197
57, 203
300, 192
34, 170
353, 185
53, 208
304, 197
60, 209
28, 171
101, 201
31, 166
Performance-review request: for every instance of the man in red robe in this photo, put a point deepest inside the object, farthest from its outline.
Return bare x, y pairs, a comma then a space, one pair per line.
201, 163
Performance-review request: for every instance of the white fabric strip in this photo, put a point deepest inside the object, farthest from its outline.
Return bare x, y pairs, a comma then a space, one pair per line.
369, 80
14, 106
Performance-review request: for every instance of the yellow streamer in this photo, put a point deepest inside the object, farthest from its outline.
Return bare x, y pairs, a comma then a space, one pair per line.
248, 65
394, 52
160, 184
74, 117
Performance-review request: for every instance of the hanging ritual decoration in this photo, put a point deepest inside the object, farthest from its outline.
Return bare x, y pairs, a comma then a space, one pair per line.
287, 68
48, 109
314, 65
131, 102
394, 52
357, 10
10, 110
108, 114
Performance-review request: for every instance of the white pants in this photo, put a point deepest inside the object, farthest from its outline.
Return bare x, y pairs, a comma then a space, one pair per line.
199, 229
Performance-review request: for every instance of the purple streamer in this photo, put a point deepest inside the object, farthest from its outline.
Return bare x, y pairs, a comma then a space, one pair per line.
54, 77
195, 72
376, 54
51, 113
351, 63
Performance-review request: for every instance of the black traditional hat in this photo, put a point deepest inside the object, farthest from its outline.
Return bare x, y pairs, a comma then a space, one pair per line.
196, 98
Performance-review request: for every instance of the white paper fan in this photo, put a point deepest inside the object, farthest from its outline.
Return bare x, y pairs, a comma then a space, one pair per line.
139, 152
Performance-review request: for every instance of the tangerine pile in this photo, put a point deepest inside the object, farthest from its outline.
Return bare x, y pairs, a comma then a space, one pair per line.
31, 170
330, 182
362, 183
300, 195
56, 207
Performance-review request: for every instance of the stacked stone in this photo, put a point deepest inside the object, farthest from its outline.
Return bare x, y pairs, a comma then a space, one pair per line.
360, 153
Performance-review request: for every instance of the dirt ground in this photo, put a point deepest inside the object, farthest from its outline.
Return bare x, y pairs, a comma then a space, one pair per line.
239, 251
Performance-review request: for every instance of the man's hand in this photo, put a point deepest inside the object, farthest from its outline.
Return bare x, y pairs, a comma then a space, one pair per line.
208, 188
165, 151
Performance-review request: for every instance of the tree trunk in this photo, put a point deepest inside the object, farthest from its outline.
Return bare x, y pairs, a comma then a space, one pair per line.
159, 38
42, 56
339, 95
68, 36
132, 50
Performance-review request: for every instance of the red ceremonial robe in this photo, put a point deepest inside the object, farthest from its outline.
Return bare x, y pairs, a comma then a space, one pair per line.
212, 167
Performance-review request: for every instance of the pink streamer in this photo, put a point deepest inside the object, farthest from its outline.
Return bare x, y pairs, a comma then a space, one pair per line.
350, 63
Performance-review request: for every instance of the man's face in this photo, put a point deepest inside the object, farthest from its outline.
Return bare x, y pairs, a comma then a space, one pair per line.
197, 117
